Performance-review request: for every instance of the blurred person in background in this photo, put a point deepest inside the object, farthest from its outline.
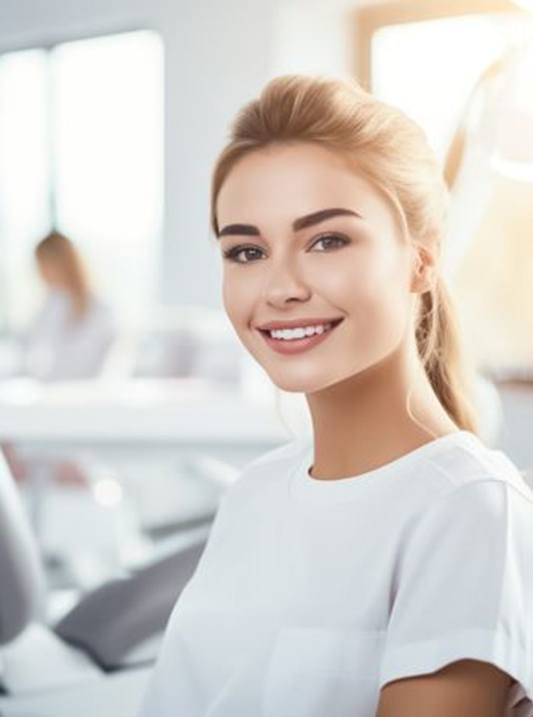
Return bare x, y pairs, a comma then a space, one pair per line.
72, 333
70, 336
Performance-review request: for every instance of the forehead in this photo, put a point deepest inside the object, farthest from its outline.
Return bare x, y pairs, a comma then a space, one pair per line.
286, 181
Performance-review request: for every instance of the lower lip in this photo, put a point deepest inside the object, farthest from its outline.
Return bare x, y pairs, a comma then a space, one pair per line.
297, 346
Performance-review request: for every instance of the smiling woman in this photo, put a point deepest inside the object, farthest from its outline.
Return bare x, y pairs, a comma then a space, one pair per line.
349, 254
382, 567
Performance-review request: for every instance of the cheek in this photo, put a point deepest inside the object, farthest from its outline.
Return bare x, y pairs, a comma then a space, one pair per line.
384, 300
228, 298
364, 280
373, 291
236, 298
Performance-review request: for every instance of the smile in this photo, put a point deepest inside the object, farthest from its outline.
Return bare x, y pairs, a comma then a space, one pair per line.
298, 344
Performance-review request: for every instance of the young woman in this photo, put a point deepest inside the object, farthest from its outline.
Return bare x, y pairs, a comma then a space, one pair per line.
71, 335
383, 567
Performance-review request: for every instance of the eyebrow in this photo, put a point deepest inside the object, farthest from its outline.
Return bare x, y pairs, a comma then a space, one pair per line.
301, 223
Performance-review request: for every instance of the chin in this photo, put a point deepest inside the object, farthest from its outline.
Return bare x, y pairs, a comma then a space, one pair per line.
301, 384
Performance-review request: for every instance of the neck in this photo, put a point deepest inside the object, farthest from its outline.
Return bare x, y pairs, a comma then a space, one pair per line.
363, 422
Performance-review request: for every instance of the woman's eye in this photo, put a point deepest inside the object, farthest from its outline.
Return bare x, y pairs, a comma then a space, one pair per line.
330, 241
232, 254
328, 237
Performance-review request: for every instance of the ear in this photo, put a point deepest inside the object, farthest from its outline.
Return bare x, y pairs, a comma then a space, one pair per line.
423, 269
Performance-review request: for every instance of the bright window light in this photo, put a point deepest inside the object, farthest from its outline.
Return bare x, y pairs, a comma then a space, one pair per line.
526, 4
24, 176
81, 148
108, 109
429, 68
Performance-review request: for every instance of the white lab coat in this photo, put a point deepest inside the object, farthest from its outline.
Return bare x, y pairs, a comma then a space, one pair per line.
57, 347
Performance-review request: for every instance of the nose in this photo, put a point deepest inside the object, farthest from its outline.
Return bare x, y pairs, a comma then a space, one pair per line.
284, 284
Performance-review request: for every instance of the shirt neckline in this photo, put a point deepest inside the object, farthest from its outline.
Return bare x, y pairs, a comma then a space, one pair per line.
304, 486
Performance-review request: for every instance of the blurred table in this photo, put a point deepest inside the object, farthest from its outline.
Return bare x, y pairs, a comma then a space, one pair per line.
188, 412
134, 428
128, 420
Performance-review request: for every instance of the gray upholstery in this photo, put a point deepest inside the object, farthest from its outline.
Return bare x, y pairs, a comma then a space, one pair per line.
107, 623
118, 616
22, 581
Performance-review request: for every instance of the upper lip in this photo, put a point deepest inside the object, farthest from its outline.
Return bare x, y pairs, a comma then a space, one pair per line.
294, 323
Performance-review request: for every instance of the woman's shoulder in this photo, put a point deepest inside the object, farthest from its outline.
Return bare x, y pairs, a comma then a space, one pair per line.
99, 306
100, 313
473, 462
268, 468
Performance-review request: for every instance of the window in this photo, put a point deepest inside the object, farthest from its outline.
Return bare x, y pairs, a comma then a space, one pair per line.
81, 150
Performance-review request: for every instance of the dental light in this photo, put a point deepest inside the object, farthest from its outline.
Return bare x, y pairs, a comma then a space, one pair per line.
505, 126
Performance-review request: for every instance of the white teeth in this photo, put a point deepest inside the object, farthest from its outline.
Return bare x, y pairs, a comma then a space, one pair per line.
298, 333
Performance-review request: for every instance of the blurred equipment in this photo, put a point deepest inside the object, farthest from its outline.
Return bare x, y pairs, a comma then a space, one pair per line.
489, 169
82, 658
497, 117
504, 119
179, 342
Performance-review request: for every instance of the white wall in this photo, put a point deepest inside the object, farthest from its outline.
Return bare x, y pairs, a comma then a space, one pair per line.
218, 55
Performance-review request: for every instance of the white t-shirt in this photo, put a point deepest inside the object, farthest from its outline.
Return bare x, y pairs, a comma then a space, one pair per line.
312, 594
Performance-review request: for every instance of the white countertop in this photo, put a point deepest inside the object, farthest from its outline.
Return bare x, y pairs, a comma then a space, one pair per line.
184, 410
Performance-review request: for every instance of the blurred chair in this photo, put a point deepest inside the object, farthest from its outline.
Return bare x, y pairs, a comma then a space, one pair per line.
115, 626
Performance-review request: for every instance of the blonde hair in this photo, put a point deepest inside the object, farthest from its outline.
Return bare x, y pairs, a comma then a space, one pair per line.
60, 250
392, 152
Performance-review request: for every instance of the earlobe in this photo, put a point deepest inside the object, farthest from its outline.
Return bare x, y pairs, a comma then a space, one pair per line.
423, 270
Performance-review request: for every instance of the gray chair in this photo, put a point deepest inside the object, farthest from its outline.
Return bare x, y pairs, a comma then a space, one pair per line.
22, 581
113, 628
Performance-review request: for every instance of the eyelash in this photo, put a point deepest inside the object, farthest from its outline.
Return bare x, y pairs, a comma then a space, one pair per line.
231, 254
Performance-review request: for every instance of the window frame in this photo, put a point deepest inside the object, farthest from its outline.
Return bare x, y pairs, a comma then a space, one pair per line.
368, 19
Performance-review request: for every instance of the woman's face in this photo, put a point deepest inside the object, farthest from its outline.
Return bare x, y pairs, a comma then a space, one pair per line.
50, 272
353, 266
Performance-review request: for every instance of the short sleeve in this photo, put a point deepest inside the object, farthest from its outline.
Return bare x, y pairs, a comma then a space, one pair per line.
464, 587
